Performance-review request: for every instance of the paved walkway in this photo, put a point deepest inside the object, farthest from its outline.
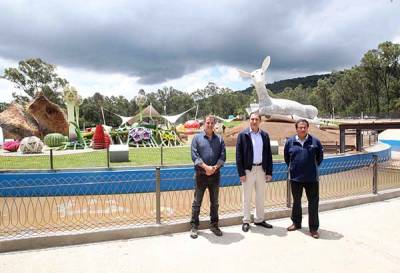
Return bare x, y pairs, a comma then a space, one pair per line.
358, 239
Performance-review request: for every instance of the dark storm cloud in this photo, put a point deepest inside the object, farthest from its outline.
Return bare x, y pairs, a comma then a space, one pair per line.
163, 40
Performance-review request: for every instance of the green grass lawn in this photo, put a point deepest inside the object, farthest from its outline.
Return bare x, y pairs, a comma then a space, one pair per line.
98, 159
233, 123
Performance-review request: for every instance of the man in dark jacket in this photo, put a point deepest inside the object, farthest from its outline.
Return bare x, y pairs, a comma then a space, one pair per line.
254, 165
303, 154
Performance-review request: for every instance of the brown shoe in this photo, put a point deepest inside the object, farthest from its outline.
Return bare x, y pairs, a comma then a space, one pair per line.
314, 234
293, 227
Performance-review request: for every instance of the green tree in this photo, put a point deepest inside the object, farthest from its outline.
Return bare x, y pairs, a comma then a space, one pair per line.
389, 54
170, 101
91, 114
3, 106
323, 93
90, 110
33, 74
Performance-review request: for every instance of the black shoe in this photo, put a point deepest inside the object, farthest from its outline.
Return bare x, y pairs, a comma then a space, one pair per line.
263, 224
216, 231
245, 227
193, 233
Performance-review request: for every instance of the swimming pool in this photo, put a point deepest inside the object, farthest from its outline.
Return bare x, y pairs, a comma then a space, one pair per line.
392, 138
395, 144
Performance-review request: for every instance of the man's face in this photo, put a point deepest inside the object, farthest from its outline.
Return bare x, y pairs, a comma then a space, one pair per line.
254, 122
209, 124
302, 129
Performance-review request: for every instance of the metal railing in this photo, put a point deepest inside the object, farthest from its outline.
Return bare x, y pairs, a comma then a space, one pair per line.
62, 202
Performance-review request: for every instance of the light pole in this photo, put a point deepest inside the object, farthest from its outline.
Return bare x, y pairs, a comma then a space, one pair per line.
141, 100
196, 98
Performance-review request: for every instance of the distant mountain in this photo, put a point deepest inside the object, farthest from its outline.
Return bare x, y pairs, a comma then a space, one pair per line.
309, 81
279, 86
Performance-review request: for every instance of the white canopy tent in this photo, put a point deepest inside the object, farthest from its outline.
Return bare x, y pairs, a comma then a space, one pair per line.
225, 120
173, 119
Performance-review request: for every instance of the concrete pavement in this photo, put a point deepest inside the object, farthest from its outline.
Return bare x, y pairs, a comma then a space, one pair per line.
357, 239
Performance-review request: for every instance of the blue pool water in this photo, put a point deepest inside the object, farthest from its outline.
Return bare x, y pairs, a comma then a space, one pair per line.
395, 144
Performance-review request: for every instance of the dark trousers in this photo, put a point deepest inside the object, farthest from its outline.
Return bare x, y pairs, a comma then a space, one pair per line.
312, 192
202, 183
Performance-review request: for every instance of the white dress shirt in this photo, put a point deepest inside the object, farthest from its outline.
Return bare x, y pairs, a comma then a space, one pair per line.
257, 146
301, 141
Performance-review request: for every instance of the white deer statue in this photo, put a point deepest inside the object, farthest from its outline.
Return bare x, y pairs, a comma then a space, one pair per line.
280, 108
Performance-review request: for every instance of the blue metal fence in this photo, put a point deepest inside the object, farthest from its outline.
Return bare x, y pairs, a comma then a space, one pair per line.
69, 183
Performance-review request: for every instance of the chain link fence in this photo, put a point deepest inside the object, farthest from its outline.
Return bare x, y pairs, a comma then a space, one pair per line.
45, 203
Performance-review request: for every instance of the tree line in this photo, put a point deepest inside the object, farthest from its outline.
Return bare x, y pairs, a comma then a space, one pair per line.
371, 88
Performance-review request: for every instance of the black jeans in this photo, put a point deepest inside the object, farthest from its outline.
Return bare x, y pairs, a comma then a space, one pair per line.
202, 183
312, 192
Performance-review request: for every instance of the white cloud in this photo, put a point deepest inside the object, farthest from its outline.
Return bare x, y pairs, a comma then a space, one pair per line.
119, 47
222, 76
115, 84
7, 87
108, 84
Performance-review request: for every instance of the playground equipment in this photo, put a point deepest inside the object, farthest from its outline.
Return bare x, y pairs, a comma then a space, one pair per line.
152, 137
31, 145
141, 136
79, 143
11, 145
55, 140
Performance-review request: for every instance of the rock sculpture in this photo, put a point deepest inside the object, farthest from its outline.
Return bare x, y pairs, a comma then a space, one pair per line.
18, 123
48, 115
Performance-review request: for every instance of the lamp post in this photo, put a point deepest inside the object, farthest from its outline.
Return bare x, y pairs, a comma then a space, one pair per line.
196, 98
141, 100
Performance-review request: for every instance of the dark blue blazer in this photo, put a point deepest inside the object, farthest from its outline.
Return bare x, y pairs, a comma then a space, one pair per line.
244, 153
303, 161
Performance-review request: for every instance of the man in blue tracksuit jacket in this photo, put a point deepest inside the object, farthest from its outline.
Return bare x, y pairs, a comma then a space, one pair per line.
303, 154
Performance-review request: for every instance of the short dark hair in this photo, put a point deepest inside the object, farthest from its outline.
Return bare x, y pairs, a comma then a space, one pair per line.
257, 114
212, 117
300, 121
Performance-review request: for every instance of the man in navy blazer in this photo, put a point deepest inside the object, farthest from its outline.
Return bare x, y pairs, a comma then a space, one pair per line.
254, 165
303, 154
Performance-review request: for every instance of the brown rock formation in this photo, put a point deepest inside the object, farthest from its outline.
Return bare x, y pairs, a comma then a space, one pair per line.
17, 123
50, 117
